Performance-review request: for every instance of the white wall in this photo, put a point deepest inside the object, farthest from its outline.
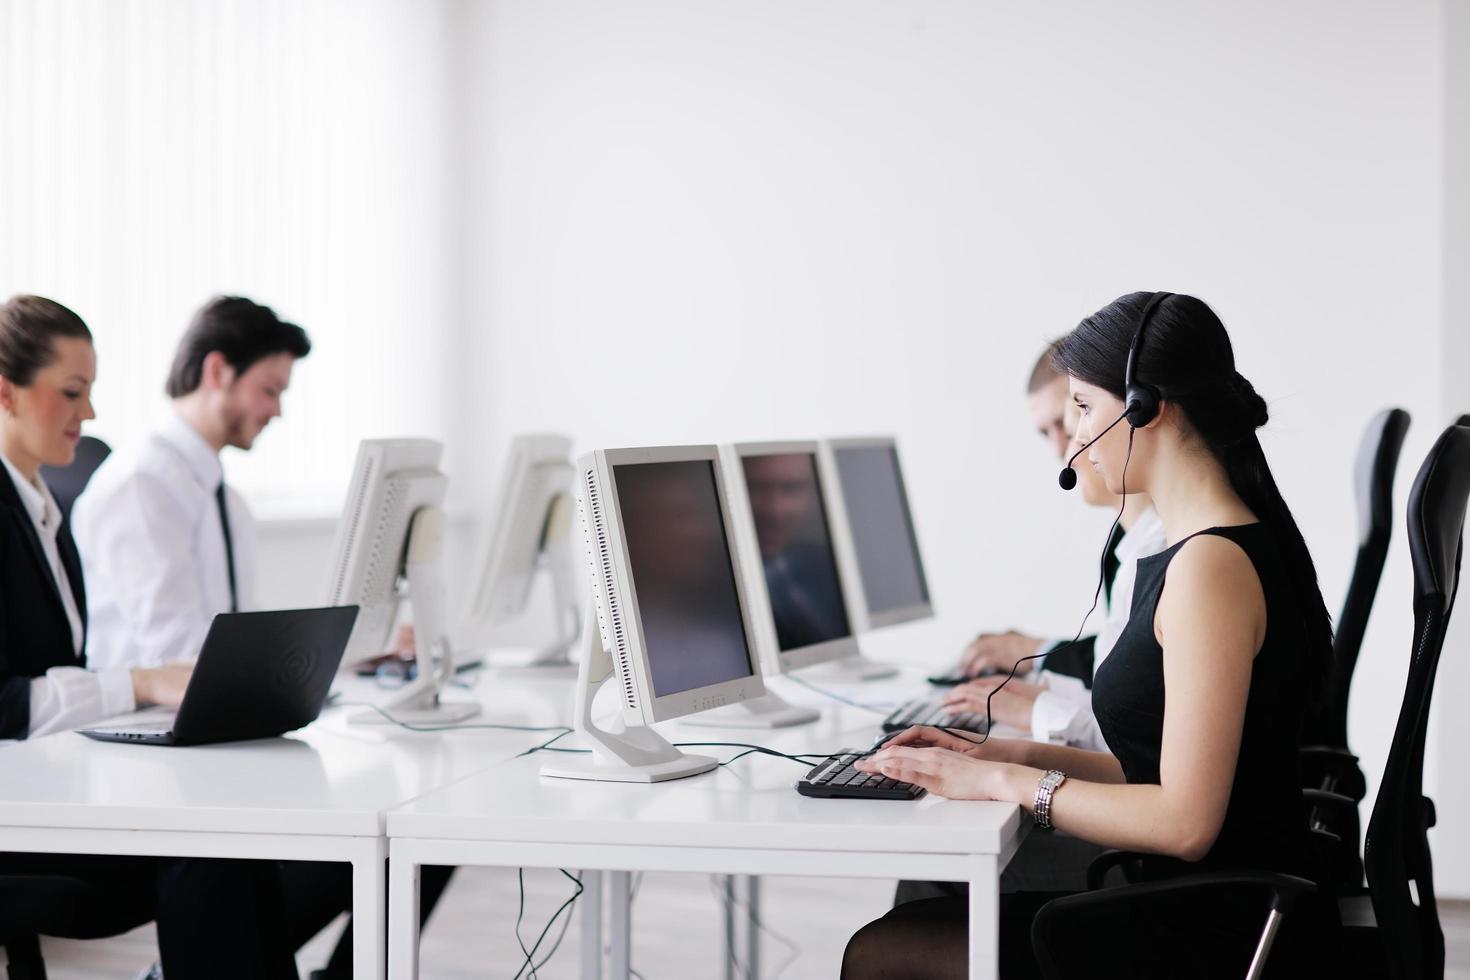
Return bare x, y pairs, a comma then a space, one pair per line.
157, 152
706, 221
1450, 733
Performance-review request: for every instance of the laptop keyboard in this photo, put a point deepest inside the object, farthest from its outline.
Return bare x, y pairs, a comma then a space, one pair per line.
925, 711
837, 778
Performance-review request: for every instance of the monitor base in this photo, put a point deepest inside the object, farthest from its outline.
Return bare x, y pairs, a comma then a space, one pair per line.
617, 771
848, 670
767, 711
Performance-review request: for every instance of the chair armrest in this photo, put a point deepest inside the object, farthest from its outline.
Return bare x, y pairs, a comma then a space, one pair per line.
1332, 768
1098, 870
1333, 801
1287, 893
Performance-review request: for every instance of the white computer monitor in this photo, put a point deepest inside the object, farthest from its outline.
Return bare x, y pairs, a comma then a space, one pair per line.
673, 629
877, 544
799, 603
531, 541
388, 549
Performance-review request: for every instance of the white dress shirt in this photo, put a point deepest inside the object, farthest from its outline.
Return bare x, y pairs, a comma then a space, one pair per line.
1064, 710
148, 528
65, 697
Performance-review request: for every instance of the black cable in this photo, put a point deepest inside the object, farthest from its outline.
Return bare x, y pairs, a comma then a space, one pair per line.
839, 698
521, 914
805, 758
451, 728
530, 961
1102, 571
560, 937
547, 745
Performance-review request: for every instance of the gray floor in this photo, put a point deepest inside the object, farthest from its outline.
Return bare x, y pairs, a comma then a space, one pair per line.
677, 924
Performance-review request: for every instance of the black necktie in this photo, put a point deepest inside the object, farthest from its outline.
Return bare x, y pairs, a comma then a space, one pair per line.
224, 525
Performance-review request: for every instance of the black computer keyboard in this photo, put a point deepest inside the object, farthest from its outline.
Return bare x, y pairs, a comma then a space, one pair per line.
837, 778
924, 711
956, 677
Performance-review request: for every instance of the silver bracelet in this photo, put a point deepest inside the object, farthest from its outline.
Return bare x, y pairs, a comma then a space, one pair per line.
1046, 786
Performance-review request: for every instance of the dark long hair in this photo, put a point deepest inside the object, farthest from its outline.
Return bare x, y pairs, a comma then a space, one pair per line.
1185, 353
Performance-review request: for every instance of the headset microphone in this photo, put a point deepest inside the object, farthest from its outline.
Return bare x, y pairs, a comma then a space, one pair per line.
1068, 476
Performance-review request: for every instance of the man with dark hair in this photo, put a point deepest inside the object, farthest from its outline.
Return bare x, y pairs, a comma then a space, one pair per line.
165, 544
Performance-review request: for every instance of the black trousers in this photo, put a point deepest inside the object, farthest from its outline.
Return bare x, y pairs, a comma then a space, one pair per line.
317, 892
216, 918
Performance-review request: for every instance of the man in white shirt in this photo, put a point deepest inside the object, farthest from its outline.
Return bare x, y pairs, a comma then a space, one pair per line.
165, 544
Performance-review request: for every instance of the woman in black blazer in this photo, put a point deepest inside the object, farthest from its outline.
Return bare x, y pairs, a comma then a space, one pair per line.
215, 918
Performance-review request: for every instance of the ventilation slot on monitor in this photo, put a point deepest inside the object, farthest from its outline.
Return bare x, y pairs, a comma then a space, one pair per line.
614, 611
359, 504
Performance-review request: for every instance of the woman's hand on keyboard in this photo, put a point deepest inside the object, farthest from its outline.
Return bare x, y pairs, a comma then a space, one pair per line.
952, 774
925, 736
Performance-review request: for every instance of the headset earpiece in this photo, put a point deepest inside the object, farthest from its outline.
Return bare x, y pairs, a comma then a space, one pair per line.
1140, 399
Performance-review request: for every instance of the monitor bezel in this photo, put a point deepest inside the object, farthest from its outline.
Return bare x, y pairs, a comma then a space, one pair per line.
625, 594
776, 659
501, 570
901, 614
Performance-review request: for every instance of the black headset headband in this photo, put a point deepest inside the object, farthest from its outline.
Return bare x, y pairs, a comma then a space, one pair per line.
1141, 400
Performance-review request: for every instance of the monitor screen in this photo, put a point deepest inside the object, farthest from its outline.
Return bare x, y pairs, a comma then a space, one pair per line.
796, 549
683, 574
882, 530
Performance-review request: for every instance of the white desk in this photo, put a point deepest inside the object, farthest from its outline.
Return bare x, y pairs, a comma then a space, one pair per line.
745, 819
319, 794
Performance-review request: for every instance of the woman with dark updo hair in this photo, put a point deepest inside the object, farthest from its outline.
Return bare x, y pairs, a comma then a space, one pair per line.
1201, 700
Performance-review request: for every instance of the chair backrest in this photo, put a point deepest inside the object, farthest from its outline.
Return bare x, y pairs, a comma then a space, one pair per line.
1373, 473
1396, 851
68, 482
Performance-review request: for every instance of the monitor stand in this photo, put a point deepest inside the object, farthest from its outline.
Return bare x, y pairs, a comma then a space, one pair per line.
851, 669
567, 615
417, 703
622, 754
767, 711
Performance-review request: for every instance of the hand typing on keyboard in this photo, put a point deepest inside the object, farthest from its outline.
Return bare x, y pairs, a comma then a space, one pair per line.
943, 763
1010, 705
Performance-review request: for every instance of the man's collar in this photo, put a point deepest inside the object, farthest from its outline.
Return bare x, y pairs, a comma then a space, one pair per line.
200, 456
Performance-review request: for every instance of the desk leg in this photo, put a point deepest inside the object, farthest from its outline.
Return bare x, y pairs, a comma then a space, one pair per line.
620, 924
403, 915
591, 913
752, 925
984, 917
726, 884
370, 909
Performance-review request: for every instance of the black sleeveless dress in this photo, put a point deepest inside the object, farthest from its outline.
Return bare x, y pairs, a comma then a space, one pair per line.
1265, 826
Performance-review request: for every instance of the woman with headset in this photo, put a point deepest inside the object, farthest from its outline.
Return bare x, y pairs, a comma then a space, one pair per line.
215, 918
1200, 701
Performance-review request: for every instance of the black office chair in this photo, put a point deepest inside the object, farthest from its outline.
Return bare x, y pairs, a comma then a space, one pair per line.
68, 482
1327, 763
1399, 919
33, 905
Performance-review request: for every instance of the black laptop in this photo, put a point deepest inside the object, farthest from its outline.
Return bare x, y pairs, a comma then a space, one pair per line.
259, 674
